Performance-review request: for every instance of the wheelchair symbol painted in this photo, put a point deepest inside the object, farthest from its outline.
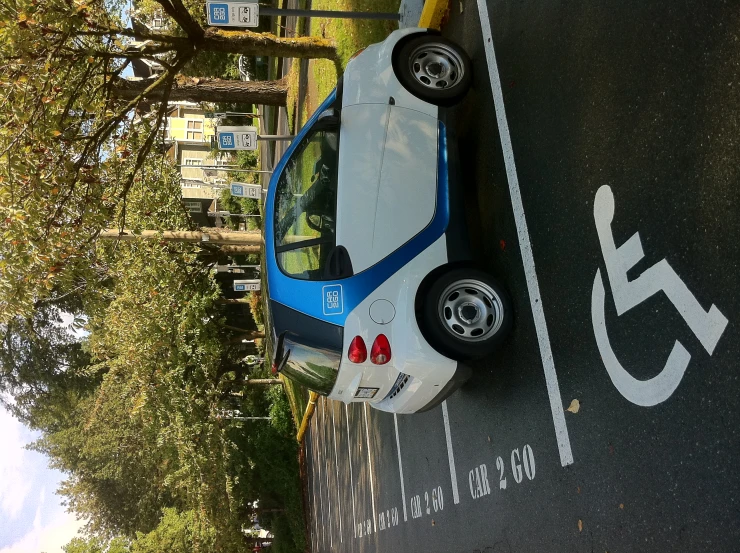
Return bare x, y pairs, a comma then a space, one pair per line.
708, 326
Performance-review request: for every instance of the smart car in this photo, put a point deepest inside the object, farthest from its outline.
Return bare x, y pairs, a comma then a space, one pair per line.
370, 287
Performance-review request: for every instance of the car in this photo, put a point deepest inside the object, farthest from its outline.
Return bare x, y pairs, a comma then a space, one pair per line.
371, 291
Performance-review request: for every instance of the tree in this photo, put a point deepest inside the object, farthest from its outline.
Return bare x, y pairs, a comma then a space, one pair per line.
200, 89
72, 145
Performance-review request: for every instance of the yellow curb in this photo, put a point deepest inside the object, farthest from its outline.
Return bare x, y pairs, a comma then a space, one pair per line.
313, 396
433, 13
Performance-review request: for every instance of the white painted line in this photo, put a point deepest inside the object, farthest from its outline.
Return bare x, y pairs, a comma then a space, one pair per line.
313, 489
370, 465
535, 300
326, 456
351, 478
450, 454
400, 467
336, 462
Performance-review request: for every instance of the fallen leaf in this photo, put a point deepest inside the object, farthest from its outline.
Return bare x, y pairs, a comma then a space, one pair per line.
578, 489
433, 523
575, 406
621, 505
489, 439
580, 525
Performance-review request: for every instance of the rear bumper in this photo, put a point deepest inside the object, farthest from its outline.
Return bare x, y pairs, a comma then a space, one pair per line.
417, 396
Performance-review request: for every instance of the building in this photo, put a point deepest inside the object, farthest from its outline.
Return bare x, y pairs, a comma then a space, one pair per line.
189, 137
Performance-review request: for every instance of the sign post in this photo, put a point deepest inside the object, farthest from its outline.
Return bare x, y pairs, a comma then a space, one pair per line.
236, 138
233, 14
243, 190
247, 285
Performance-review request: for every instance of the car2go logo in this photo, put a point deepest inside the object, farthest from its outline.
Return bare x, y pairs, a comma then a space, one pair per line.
333, 300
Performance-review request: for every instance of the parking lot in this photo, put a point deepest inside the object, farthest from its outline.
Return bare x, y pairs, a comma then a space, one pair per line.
601, 151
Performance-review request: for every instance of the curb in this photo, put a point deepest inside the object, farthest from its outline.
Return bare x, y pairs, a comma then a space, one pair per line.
313, 396
434, 13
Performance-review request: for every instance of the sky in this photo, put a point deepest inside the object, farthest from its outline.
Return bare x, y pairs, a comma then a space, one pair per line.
32, 519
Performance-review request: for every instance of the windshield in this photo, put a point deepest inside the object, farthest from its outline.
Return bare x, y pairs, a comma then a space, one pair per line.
305, 207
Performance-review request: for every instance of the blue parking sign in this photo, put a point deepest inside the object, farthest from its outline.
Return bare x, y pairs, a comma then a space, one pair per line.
218, 14
226, 141
237, 190
333, 300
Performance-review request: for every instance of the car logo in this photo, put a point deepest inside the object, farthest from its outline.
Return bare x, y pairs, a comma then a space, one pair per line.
333, 300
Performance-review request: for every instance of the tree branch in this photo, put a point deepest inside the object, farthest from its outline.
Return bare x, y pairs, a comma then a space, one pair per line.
177, 11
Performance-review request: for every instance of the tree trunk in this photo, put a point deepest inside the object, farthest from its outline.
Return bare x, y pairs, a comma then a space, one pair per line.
265, 44
263, 382
188, 89
211, 237
246, 333
240, 249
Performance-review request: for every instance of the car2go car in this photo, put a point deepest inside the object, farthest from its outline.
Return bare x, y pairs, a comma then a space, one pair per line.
371, 294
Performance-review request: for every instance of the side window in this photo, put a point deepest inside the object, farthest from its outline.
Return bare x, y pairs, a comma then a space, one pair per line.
305, 206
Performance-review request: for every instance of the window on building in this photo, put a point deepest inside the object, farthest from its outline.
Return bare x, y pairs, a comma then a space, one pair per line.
193, 161
194, 129
193, 206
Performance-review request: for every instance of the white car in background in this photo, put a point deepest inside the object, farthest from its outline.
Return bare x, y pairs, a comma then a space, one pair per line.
371, 291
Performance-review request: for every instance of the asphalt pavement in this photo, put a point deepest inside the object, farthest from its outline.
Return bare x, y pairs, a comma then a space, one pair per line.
605, 195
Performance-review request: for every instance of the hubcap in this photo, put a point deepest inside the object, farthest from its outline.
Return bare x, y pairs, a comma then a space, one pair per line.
436, 66
471, 310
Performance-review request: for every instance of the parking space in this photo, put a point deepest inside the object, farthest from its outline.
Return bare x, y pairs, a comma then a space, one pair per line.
600, 151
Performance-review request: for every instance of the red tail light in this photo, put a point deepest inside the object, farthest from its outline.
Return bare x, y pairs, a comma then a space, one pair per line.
357, 351
380, 353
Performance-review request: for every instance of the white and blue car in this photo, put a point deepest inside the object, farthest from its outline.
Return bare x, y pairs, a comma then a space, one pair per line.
371, 292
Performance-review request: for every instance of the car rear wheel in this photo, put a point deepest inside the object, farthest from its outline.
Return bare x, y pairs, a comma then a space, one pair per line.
434, 69
467, 314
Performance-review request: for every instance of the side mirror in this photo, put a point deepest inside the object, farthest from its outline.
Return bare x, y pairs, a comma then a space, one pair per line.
328, 120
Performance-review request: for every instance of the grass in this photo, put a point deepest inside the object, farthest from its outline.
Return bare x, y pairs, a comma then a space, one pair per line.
350, 35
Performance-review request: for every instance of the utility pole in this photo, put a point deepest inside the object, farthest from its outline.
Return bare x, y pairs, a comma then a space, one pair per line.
224, 168
330, 14
231, 238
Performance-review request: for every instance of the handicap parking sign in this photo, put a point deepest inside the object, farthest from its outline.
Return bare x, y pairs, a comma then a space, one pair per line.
333, 300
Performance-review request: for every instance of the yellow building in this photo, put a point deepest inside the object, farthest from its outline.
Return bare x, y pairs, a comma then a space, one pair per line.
191, 136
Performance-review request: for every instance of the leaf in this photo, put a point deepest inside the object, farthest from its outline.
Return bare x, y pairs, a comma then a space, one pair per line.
575, 406
580, 525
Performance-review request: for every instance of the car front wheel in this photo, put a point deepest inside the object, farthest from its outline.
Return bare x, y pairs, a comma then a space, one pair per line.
467, 314
434, 69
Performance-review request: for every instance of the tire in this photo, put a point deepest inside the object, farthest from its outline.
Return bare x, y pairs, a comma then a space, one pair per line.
434, 69
466, 314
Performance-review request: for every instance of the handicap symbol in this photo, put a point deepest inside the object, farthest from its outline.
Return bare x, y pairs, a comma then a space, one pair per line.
707, 326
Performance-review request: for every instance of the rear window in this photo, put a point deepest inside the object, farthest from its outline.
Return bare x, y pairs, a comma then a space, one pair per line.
313, 348
314, 367
305, 207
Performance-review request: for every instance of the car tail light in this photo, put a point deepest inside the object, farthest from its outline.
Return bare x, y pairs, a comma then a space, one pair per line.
380, 353
357, 351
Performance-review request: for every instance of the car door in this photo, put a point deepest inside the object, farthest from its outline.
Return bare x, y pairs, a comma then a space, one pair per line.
387, 180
